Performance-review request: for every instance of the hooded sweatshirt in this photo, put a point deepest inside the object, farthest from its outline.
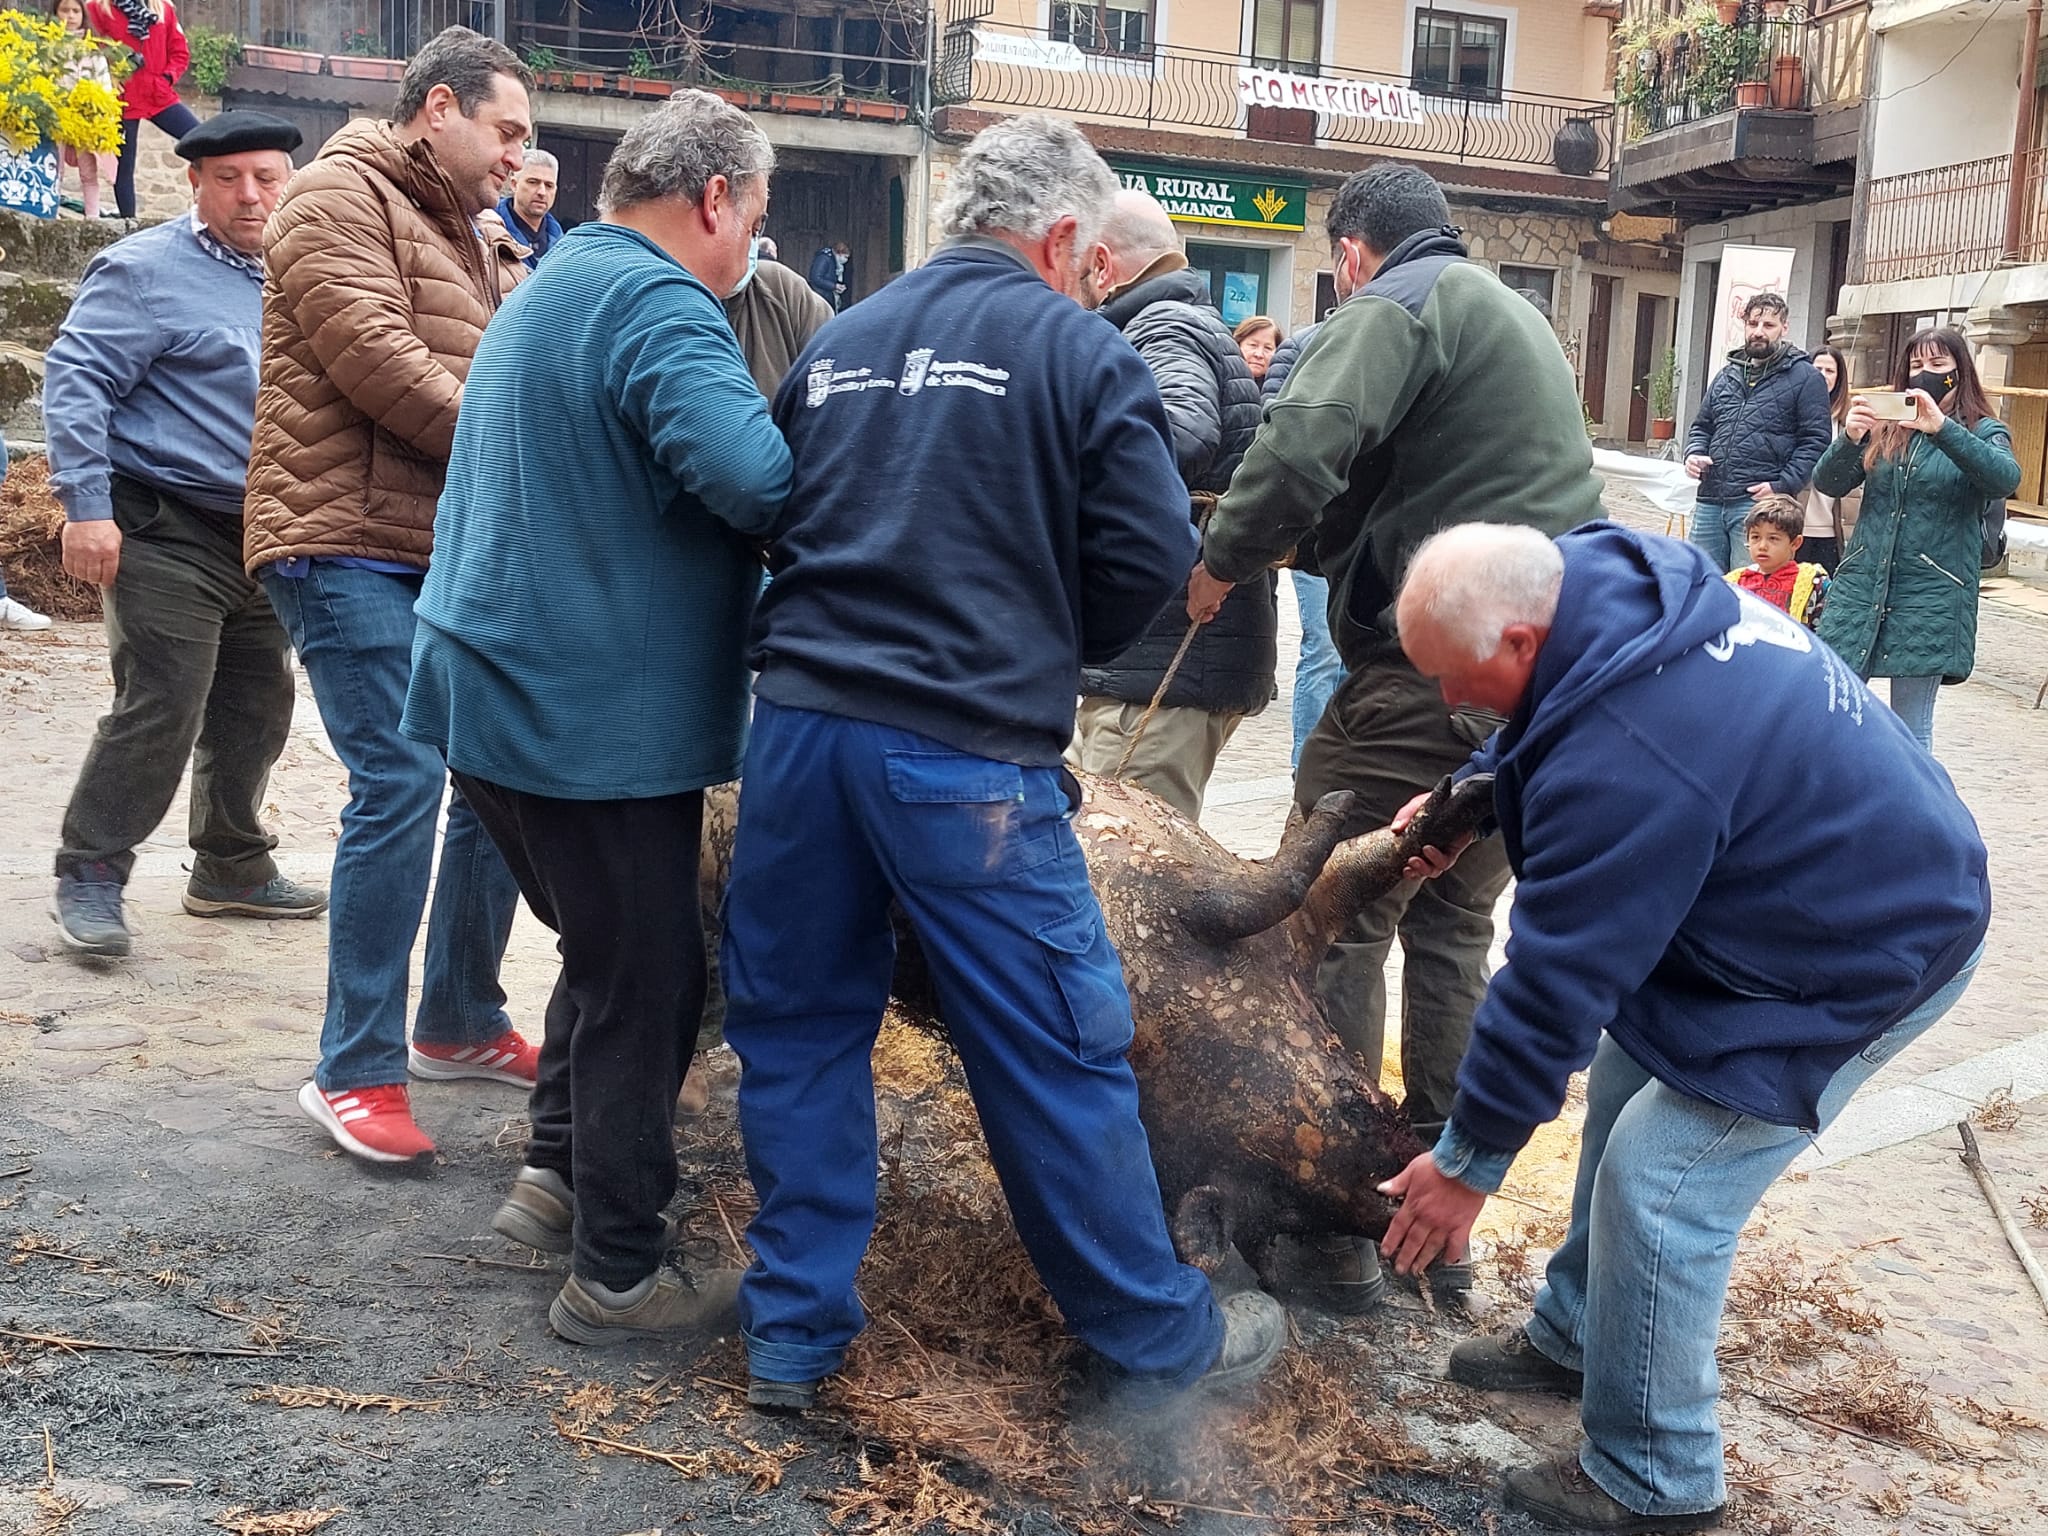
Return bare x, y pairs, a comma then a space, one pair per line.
1731, 857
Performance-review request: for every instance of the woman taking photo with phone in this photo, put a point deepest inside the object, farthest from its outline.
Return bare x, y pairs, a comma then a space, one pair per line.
1904, 601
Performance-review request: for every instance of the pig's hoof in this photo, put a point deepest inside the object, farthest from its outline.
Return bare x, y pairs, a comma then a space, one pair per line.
1201, 1229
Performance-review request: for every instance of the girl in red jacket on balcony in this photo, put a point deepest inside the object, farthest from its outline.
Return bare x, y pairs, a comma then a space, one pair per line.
148, 29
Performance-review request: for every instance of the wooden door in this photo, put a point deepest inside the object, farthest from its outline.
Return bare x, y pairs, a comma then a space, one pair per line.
1599, 332
2027, 415
811, 210
1647, 307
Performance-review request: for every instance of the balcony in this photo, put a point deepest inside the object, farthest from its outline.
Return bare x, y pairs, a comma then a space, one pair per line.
1955, 219
1757, 111
859, 59
1273, 117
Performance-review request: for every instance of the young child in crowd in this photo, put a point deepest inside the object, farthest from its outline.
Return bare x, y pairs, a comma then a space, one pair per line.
92, 168
1775, 573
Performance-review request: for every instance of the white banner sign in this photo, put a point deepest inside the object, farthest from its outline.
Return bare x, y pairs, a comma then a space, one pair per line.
1333, 98
1028, 52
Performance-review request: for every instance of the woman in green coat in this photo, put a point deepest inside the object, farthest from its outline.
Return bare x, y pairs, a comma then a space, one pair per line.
1904, 600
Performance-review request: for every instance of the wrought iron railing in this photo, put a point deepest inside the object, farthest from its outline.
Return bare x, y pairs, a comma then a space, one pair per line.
1937, 223
1008, 68
1770, 55
395, 29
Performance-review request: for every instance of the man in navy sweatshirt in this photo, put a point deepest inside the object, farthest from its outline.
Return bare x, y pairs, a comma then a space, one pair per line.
984, 498
1734, 945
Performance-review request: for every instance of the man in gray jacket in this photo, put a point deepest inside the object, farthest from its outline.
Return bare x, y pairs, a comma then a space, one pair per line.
149, 400
1139, 280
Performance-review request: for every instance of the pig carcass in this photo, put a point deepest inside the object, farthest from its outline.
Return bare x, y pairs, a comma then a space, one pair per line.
1262, 1124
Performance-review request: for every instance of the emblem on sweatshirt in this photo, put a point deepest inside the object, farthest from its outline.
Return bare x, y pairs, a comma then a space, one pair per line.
1760, 622
915, 362
818, 382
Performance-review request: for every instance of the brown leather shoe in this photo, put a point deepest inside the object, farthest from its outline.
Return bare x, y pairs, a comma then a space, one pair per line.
540, 1211
1509, 1362
676, 1305
1558, 1493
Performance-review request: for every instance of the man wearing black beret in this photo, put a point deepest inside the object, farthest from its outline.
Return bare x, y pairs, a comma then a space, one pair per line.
149, 401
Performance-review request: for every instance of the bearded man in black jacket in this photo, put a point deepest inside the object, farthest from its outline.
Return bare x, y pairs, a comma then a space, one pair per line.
1140, 281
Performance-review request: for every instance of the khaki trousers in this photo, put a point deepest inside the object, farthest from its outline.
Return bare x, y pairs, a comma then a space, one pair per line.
1175, 756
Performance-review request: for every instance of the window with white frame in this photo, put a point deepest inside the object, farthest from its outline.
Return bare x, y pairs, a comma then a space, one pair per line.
1459, 55
1539, 281
1104, 26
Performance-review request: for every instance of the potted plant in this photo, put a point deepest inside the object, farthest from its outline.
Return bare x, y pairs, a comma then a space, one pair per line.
1752, 93
1728, 12
1663, 387
293, 61
1788, 82
40, 111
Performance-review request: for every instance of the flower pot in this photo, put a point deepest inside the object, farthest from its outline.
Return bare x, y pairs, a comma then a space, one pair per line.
1788, 82
1575, 149
350, 66
1663, 429
1752, 93
634, 85
28, 179
884, 111
292, 61
1728, 12
1776, 8
797, 103
583, 80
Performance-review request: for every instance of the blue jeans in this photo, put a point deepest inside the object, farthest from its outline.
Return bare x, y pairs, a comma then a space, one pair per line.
1717, 528
1913, 702
353, 631
1634, 1296
838, 817
1320, 669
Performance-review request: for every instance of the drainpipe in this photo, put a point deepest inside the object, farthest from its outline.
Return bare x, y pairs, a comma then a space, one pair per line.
2016, 198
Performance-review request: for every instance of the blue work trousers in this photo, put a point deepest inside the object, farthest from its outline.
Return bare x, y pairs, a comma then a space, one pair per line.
353, 630
838, 816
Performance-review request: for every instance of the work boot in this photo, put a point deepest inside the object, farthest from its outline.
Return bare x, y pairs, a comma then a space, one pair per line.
540, 1211
1511, 1362
1331, 1272
87, 912
1254, 1332
275, 897
781, 1396
667, 1304
1558, 1493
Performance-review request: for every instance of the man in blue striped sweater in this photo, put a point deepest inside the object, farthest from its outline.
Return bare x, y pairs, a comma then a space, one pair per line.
618, 490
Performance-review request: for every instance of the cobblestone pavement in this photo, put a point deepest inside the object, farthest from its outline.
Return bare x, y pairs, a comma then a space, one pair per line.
195, 1045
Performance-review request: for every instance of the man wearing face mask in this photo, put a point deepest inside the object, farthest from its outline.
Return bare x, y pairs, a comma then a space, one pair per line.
1762, 426
1140, 282
1432, 395
587, 762
774, 315
968, 419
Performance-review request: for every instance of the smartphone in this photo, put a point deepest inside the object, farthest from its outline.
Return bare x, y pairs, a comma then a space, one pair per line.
1889, 404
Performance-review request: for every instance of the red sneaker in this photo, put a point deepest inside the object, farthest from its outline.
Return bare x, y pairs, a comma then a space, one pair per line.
372, 1123
507, 1059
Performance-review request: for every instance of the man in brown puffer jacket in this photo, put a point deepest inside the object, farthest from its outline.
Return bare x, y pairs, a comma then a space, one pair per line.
378, 287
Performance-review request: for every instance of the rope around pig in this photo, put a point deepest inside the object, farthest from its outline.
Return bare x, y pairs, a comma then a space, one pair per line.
1206, 500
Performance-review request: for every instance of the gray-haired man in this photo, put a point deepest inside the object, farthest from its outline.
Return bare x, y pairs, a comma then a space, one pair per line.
969, 421
524, 209
587, 771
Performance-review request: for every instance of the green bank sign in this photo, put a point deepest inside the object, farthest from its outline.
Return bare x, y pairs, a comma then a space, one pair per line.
1200, 197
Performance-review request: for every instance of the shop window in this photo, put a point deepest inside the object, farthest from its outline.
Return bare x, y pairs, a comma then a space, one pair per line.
1104, 26
1459, 55
1538, 281
1287, 35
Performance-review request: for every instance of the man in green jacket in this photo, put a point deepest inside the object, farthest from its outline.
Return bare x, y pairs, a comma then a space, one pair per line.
1433, 395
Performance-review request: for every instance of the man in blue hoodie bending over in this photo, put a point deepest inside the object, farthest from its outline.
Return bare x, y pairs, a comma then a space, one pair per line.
970, 419
1723, 940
